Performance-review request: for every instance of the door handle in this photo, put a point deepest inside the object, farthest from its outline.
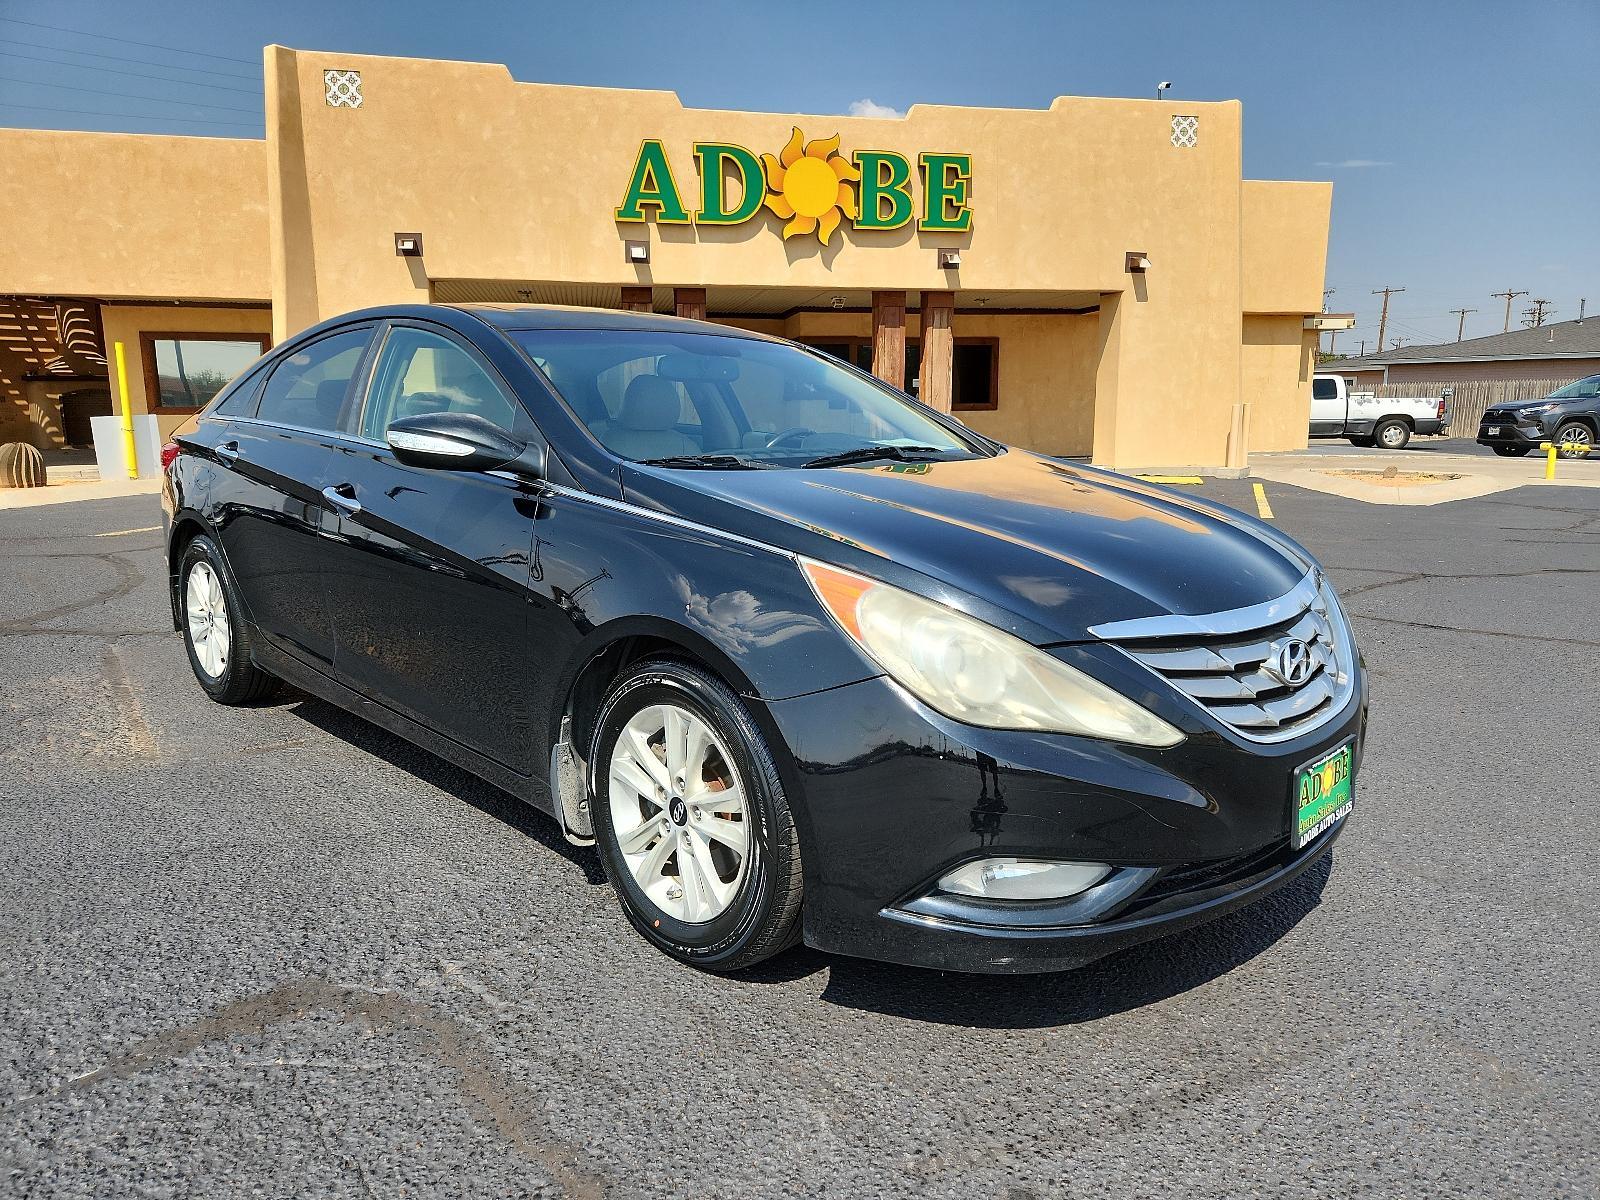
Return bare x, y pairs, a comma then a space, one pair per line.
342, 496
228, 452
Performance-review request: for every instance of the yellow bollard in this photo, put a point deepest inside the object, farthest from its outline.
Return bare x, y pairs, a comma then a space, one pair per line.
128, 449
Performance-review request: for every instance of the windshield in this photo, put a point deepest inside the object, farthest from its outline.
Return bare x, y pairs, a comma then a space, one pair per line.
693, 399
1584, 389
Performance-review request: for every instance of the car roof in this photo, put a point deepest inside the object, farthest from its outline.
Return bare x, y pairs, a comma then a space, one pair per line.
556, 316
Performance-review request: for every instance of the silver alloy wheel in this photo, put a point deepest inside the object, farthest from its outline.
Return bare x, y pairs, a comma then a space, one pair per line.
1576, 436
1394, 436
678, 812
207, 612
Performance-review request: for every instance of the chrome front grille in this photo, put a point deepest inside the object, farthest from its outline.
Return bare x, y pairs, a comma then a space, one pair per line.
1231, 663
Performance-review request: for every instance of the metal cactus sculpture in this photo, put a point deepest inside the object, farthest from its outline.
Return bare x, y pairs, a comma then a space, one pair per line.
21, 466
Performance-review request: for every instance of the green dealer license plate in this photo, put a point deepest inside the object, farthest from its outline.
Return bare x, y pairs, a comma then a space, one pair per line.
1323, 792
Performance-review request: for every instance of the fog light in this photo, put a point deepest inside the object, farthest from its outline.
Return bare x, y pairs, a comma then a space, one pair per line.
1023, 879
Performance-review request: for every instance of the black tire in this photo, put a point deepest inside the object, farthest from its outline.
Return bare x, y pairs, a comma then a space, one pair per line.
240, 681
1574, 433
1511, 451
1363, 440
763, 916
1391, 433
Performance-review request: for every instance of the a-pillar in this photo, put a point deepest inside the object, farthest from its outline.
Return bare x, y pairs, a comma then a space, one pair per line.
690, 302
936, 385
889, 337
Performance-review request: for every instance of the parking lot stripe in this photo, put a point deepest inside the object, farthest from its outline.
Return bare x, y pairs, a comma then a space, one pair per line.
125, 532
140, 739
1262, 506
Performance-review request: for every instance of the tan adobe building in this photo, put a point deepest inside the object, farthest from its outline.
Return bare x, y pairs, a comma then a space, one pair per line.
1091, 279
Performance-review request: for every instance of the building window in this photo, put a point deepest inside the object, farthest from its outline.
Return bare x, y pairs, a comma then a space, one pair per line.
976, 375
1185, 132
182, 371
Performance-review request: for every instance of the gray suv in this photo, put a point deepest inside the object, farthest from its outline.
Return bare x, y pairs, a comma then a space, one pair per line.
1568, 416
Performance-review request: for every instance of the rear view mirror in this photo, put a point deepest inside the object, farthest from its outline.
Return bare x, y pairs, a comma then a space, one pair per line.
697, 368
462, 442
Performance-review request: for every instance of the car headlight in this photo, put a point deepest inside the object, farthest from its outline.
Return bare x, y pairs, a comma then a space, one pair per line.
976, 673
1535, 414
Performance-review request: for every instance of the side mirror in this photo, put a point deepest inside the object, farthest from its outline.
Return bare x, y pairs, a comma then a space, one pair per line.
462, 442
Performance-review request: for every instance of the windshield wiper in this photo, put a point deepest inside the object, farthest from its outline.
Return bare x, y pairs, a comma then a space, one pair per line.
868, 453
708, 462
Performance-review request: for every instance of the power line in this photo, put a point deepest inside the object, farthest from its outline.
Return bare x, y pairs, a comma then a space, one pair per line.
99, 112
67, 87
63, 62
125, 41
147, 62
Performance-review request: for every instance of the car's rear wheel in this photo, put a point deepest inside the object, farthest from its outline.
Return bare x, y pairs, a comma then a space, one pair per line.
218, 642
692, 821
1511, 451
1392, 434
1575, 439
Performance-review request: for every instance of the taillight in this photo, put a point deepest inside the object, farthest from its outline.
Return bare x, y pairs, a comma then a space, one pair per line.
169, 455
1440, 413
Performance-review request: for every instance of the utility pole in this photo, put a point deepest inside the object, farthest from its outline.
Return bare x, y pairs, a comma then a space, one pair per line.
1583, 303
1383, 320
1536, 314
1509, 297
1462, 324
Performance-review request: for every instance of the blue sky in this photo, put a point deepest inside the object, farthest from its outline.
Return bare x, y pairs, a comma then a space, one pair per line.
1463, 138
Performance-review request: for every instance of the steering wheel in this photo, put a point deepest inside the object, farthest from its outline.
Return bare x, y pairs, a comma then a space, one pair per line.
794, 431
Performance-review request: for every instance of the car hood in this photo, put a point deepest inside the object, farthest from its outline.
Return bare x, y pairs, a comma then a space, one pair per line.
1061, 546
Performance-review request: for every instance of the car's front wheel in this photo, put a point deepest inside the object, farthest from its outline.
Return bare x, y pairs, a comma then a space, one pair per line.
217, 641
692, 820
1575, 439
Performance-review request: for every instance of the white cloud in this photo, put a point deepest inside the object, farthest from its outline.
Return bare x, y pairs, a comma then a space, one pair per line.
1356, 162
871, 108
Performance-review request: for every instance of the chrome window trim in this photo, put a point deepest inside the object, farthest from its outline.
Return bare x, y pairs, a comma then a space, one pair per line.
1235, 620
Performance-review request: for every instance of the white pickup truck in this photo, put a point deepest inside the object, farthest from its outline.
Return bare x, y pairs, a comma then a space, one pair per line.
1369, 420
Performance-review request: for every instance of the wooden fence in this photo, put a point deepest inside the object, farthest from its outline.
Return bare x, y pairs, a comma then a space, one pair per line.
1472, 397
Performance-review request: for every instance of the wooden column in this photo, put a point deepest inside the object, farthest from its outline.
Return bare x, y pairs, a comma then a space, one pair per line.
889, 337
638, 299
690, 302
937, 384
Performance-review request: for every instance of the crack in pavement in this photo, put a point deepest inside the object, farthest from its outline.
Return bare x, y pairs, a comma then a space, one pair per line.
128, 578
1490, 633
506, 1104
1413, 576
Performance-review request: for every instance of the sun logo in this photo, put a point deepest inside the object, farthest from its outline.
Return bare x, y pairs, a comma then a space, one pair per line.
808, 186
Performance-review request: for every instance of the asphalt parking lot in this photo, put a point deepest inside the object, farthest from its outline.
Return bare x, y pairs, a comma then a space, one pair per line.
277, 952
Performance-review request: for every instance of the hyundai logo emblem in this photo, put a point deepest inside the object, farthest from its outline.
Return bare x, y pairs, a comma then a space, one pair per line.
1290, 661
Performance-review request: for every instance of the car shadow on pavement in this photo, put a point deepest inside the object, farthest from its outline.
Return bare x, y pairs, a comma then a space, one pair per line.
446, 776
1133, 978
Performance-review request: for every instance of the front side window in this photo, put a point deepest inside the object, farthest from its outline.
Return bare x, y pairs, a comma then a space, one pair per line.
1583, 389
309, 388
649, 395
183, 371
419, 373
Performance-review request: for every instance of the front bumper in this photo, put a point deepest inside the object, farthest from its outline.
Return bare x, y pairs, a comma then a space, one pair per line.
1525, 437
891, 795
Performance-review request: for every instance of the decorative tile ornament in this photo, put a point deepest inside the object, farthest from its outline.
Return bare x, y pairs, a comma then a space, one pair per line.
344, 90
1185, 131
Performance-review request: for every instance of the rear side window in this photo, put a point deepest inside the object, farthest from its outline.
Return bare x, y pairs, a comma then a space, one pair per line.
308, 388
238, 399
1324, 389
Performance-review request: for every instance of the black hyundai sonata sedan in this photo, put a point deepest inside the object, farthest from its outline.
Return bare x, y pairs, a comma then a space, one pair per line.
807, 659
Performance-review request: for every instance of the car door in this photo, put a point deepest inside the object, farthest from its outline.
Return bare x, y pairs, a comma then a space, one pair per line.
1327, 406
429, 579
274, 451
